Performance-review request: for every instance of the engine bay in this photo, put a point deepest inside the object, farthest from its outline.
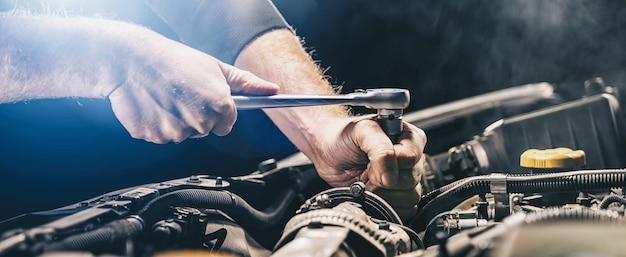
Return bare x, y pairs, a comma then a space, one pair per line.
524, 171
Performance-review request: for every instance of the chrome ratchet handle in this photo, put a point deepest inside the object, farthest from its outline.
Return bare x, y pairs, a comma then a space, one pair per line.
287, 100
389, 103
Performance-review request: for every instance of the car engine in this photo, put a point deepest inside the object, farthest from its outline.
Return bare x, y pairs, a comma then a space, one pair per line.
532, 170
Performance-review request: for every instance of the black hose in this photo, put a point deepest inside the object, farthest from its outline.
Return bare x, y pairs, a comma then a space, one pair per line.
414, 237
466, 187
117, 232
446, 198
611, 199
451, 195
572, 181
103, 238
229, 203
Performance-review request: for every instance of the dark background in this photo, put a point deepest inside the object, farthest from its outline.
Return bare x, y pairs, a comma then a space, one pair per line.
57, 152
445, 50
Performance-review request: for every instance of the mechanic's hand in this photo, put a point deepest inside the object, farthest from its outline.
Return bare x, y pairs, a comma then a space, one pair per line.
172, 92
357, 149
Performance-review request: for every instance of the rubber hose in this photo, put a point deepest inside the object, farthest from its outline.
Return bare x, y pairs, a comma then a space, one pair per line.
611, 199
103, 238
230, 203
117, 232
567, 181
449, 196
437, 201
470, 186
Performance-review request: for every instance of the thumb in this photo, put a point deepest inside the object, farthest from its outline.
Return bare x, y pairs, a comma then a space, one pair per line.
241, 81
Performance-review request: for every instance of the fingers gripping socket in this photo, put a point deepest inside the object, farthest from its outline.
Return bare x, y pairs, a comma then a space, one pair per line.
390, 120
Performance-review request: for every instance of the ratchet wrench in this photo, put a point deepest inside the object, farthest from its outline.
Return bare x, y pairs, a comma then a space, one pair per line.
389, 103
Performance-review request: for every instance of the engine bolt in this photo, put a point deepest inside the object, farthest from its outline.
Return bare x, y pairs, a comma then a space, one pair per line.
357, 189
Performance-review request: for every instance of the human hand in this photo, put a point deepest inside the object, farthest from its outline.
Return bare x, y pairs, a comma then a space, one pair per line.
172, 92
357, 149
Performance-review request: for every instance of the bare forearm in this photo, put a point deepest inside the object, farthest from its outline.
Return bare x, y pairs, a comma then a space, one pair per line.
278, 56
49, 57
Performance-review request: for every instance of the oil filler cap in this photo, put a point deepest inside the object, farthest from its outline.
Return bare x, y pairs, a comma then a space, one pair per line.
561, 157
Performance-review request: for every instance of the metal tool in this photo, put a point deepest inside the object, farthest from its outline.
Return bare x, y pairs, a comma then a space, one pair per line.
389, 103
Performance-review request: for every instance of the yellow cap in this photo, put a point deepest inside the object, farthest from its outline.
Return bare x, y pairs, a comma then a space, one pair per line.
552, 158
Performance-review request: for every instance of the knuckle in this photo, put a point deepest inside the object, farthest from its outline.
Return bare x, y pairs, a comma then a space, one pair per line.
156, 140
151, 137
203, 130
202, 124
222, 130
180, 136
224, 107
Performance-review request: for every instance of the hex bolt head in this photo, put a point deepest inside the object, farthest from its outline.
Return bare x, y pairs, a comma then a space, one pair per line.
357, 189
